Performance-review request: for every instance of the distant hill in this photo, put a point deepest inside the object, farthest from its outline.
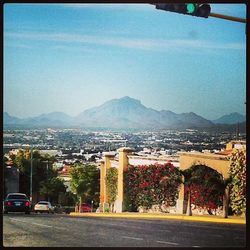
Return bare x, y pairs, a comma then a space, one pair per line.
230, 128
54, 119
8, 119
122, 113
230, 119
127, 112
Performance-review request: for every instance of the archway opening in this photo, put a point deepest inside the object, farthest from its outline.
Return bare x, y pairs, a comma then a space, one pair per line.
203, 190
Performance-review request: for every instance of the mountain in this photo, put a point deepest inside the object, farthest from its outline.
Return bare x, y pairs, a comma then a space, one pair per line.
127, 112
8, 119
230, 119
122, 113
54, 119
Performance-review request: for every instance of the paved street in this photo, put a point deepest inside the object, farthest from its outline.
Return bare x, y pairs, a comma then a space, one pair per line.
55, 230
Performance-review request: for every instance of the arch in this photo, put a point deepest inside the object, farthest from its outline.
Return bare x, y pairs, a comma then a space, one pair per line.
200, 181
219, 163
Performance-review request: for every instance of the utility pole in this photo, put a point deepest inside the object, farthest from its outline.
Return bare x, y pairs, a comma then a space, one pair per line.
31, 171
47, 177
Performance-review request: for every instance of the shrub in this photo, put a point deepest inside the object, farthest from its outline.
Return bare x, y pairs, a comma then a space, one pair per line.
147, 185
111, 179
238, 174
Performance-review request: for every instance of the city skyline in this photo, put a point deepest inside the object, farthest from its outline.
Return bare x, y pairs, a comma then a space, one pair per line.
72, 57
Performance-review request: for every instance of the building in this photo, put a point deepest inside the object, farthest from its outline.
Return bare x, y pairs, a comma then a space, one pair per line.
64, 174
218, 161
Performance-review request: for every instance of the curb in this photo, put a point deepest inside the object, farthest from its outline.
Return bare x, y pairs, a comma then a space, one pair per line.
233, 220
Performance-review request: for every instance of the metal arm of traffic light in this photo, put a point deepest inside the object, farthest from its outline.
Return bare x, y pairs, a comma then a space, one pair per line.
231, 18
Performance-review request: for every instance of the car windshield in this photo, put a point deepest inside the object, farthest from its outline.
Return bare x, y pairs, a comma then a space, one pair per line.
43, 203
17, 196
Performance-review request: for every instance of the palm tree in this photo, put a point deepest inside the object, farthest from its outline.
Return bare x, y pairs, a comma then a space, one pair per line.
187, 181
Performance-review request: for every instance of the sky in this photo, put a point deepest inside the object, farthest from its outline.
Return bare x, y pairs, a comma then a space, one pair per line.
71, 57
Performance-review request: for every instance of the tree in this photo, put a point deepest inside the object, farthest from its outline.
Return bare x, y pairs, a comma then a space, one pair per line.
5, 175
51, 188
238, 174
187, 181
85, 182
39, 172
67, 198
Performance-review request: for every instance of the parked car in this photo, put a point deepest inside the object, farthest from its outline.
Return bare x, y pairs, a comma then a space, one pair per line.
17, 202
58, 208
85, 207
44, 207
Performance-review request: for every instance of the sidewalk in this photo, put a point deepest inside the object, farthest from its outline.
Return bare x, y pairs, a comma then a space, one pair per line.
205, 218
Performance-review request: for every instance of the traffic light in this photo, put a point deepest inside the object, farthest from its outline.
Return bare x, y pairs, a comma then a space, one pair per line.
193, 9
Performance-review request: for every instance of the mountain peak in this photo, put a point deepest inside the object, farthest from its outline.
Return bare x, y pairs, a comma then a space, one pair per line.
230, 118
125, 101
128, 99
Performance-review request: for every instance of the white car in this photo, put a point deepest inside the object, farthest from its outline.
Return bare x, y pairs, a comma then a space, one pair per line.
44, 207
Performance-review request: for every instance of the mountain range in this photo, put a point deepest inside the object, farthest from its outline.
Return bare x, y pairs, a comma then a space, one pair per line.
123, 113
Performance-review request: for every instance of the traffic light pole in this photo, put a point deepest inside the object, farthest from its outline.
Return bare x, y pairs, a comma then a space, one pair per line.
231, 18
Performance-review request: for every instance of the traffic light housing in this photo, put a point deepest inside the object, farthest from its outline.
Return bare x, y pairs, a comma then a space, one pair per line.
193, 9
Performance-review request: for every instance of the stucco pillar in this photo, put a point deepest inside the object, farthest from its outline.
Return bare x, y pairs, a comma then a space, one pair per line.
123, 165
105, 165
102, 183
181, 203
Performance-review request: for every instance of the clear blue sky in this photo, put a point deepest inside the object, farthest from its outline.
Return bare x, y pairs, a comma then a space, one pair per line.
71, 57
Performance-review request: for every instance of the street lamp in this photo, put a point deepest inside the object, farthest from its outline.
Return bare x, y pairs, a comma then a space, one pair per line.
31, 172
47, 175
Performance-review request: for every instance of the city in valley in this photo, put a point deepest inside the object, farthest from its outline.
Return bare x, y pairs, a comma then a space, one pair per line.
72, 145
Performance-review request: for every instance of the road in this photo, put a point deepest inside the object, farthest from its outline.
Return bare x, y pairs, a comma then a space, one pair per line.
55, 230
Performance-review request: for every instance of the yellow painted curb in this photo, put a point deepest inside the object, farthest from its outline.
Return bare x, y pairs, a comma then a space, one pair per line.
157, 216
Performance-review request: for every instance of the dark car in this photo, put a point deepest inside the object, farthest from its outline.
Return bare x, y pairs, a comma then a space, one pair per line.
86, 208
17, 202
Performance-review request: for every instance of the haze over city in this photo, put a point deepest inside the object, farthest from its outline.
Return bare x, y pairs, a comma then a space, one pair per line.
71, 57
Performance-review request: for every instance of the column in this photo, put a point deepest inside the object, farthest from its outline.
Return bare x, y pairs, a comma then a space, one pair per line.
107, 164
181, 203
123, 165
102, 183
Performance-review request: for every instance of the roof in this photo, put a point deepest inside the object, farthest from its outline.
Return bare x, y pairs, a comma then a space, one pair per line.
65, 170
225, 152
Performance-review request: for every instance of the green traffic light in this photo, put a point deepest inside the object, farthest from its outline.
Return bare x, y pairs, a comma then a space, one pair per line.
190, 8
